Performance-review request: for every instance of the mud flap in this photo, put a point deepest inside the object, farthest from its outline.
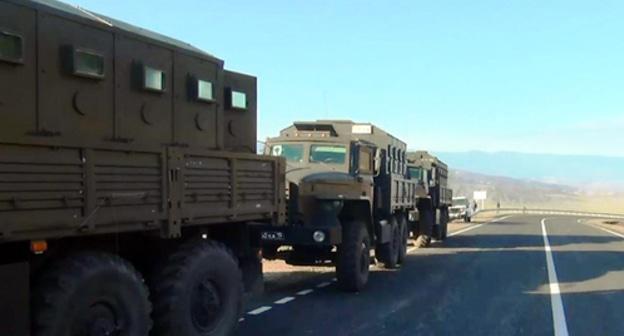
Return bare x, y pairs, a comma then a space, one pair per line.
14, 299
253, 280
385, 232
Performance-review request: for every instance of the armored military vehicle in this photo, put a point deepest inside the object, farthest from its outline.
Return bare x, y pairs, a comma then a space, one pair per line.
348, 193
127, 167
431, 217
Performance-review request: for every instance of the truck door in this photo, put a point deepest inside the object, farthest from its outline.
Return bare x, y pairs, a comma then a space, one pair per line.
363, 167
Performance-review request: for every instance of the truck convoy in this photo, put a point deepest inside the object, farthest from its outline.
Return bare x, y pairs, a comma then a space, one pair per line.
431, 217
127, 167
132, 200
349, 190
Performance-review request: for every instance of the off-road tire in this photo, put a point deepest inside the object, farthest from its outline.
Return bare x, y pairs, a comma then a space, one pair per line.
443, 227
388, 253
425, 227
403, 228
90, 292
353, 257
198, 291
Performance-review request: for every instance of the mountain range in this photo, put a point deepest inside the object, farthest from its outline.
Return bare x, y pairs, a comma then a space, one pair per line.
586, 172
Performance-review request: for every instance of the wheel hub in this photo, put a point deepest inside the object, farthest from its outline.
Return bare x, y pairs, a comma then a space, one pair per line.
100, 320
206, 306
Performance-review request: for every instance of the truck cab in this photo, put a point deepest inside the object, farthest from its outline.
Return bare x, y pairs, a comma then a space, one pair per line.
325, 174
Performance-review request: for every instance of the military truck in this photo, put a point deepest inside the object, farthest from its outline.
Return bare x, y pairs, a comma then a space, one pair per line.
348, 193
129, 180
431, 216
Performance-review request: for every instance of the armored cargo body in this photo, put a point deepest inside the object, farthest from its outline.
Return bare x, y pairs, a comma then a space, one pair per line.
433, 197
127, 167
348, 192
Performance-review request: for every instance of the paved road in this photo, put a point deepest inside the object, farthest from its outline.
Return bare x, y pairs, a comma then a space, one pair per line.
493, 279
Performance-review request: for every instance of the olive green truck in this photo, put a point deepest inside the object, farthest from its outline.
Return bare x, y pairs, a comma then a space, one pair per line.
129, 179
349, 192
433, 197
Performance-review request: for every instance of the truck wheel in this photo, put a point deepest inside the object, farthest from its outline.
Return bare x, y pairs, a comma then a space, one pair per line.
446, 220
353, 259
388, 253
198, 291
443, 227
91, 293
404, 237
425, 227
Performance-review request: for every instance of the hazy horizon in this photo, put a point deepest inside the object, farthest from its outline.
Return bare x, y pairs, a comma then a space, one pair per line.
591, 172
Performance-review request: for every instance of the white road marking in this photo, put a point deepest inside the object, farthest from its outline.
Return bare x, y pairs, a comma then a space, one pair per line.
334, 280
305, 292
284, 300
241, 319
558, 313
260, 310
465, 230
323, 284
609, 231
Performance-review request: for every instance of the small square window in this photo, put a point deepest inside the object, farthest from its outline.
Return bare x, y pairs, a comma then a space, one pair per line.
11, 48
153, 79
238, 100
204, 90
88, 64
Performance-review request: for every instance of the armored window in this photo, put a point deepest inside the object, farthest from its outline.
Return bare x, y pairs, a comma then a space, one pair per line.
204, 90
365, 165
153, 79
236, 99
200, 89
11, 48
87, 64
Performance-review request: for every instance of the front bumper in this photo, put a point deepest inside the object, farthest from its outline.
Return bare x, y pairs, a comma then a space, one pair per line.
269, 235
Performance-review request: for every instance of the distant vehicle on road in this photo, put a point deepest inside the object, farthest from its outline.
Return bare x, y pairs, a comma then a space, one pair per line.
461, 209
348, 192
433, 197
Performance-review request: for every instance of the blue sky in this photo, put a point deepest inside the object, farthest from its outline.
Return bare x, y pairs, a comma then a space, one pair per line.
529, 76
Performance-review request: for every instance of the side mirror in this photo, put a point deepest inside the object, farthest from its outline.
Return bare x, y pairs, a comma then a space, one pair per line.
377, 162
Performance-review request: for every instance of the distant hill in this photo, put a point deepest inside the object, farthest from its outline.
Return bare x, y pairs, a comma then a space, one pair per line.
587, 172
508, 190
517, 193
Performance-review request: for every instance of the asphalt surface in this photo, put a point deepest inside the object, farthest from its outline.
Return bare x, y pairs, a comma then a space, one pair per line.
492, 279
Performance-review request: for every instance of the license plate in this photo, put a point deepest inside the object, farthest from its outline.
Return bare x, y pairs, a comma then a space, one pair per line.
273, 236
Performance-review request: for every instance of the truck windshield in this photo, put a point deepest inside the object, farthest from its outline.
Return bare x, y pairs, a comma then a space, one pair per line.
415, 173
460, 201
291, 152
334, 154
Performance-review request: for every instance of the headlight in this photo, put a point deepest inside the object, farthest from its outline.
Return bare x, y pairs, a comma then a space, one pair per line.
318, 236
